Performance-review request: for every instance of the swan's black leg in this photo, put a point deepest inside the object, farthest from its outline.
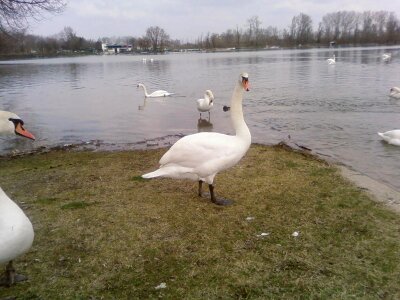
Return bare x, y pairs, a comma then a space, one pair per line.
216, 201
211, 187
200, 186
10, 276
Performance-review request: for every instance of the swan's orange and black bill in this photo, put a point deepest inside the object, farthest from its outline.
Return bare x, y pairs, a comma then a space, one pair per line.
20, 130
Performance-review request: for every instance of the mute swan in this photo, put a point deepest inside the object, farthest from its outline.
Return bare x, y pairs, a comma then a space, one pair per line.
395, 92
386, 56
16, 237
392, 137
16, 232
159, 93
10, 123
201, 156
332, 60
206, 103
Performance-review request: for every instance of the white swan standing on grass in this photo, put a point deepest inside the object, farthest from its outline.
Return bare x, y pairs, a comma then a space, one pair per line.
16, 237
205, 104
201, 156
16, 231
332, 60
395, 92
391, 137
159, 93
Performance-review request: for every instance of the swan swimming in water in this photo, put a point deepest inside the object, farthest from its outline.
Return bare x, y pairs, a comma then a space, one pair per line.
386, 56
332, 60
395, 92
16, 231
391, 137
201, 156
159, 93
205, 104
11, 124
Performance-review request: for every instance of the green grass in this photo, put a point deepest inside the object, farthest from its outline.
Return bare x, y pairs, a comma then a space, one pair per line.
101, 232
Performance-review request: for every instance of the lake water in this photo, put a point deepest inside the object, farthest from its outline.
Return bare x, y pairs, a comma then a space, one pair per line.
335, 110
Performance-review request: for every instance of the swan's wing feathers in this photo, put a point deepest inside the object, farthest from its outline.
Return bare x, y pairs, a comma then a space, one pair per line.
192, 150
392, 134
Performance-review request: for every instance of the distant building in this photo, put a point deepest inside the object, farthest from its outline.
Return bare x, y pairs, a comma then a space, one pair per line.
115, 48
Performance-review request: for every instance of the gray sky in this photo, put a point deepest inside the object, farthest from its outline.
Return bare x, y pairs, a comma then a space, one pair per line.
187, 20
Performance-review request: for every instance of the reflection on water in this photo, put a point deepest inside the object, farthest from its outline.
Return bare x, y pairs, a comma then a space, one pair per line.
334, 109
204, 125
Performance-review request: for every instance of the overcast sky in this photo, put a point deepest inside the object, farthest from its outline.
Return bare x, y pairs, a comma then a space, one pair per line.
186, 20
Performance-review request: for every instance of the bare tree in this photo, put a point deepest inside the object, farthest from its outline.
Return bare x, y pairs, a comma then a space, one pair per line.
254, 31
301, 29
14, 14
158, 38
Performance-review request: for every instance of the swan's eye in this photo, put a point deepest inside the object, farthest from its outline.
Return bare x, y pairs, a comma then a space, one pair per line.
245, 79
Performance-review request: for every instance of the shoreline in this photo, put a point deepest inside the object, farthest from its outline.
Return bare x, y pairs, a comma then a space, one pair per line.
379, 191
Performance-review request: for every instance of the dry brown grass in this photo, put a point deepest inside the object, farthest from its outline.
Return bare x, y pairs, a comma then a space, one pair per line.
102, 232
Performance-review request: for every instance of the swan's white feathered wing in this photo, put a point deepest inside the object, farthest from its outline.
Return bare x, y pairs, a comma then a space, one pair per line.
395, 92
160, 93
16, 231
392, 137
200, 155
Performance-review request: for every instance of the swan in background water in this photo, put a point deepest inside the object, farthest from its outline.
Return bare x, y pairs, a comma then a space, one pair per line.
11, 124
201, 156
16, 231
159, 93
395, 92
206, 103
391, 137
386, 56
332, 60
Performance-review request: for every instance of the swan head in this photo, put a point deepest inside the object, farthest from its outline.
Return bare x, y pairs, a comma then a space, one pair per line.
140, 85
244, 81
10, 123
209, 95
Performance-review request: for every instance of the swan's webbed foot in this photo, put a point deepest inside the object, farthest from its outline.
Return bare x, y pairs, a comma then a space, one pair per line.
11, 277
218, 201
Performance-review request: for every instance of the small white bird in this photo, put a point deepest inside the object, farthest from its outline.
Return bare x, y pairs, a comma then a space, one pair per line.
395, 92
205, 104
386, 56
159, 93
332, 60
201, 156
11, 124
391, 137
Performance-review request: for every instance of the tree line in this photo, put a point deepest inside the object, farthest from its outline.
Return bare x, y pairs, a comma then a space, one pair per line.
342, 28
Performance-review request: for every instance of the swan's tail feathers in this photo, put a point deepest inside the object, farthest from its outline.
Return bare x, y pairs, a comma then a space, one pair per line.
384, 137
156, 173
173, 171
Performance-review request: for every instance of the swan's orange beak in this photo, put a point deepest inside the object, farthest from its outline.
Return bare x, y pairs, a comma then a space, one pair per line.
20, 130
246, 84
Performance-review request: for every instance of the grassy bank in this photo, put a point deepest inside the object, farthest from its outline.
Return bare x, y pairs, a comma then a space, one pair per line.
104, 233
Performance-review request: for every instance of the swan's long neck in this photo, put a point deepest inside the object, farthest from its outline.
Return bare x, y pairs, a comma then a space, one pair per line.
242, 131
6, 126
145, 90
207, 98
